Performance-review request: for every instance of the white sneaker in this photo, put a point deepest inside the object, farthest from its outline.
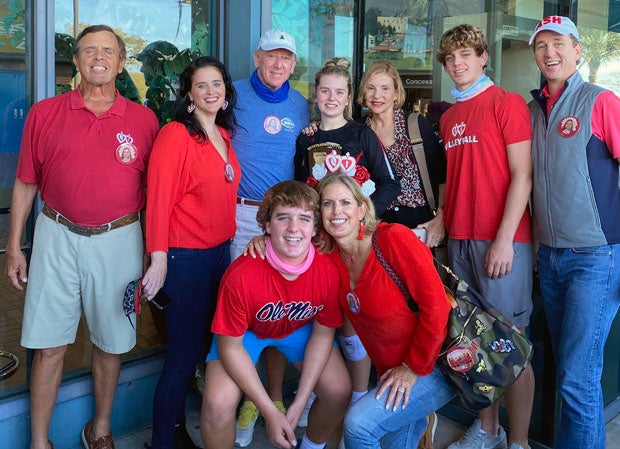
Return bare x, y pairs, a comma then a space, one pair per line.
247, 420
245, 424
475, 438
517, 446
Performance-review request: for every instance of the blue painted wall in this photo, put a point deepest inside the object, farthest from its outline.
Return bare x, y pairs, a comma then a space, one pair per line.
75, 405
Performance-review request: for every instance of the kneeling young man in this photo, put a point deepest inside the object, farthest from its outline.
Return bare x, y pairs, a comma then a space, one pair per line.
289, 300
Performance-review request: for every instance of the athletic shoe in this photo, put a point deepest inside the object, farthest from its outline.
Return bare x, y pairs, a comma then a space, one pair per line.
280, 406
476, 438
517, 446
426, 441
245, 423
247, 420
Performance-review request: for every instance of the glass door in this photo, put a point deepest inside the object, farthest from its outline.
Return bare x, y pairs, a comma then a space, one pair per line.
13, 69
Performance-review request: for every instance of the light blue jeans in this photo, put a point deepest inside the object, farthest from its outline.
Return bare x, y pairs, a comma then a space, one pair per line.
369, 425
581, 293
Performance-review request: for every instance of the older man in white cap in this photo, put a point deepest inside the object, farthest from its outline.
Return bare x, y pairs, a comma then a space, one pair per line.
271, 114
576, 200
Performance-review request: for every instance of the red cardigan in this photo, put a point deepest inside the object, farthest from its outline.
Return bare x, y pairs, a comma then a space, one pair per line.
378, 311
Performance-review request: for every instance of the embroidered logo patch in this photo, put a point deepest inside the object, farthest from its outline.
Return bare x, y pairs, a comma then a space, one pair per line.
288, 123
569, 126
483, 388
272, 124
353, 302
460, 359
480, 328
126, 153
502, 346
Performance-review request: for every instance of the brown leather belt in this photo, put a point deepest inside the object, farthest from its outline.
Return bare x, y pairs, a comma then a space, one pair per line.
241, 200
87, 231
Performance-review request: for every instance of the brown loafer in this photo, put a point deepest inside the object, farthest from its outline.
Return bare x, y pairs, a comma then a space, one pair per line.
90, 442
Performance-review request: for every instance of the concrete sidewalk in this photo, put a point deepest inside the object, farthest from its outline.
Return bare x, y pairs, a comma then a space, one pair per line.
447, 432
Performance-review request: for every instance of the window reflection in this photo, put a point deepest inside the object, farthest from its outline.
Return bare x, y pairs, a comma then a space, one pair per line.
600, 57
161, 36
322, 30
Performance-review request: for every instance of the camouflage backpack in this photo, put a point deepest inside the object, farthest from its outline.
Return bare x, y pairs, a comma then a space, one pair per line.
484, 353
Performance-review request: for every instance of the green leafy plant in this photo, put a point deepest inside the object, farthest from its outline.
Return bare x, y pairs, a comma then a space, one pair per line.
162, 63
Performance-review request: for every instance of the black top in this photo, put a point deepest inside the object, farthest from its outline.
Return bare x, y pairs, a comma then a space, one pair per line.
362, 144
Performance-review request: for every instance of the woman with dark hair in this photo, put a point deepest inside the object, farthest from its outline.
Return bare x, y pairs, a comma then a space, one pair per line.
192, 184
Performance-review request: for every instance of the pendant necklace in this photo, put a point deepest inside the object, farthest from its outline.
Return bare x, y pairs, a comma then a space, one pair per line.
351, 257
229, 172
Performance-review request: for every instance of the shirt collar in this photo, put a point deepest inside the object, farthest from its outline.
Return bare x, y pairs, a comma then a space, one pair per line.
118, 108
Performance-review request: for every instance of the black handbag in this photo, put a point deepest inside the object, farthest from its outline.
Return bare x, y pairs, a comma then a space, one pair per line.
484, 353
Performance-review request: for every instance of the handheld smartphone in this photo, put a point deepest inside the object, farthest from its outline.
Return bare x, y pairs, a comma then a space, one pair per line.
161, 300
421, 233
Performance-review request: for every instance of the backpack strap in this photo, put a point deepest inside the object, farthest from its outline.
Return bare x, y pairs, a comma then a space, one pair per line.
417, 148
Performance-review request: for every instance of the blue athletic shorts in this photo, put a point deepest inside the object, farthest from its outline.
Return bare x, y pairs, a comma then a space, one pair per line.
293, 346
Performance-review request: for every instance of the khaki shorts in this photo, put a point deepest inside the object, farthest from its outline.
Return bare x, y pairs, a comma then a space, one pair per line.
69, 273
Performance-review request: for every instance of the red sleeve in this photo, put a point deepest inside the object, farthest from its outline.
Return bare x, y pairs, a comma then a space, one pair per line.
412, 260
29, 162
514, 119
605, 123
167, 174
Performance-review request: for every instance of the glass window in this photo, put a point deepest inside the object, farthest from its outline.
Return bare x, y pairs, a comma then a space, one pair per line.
161, 36
600, 37
407, 34
13, 112
322, 30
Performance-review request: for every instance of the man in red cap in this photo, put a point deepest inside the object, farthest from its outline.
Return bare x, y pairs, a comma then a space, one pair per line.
576, 201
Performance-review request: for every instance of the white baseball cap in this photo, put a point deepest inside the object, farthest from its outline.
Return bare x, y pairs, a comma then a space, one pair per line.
273, 39
559, 24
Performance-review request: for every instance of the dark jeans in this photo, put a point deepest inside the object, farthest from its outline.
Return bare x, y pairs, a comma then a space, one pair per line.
192, 281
